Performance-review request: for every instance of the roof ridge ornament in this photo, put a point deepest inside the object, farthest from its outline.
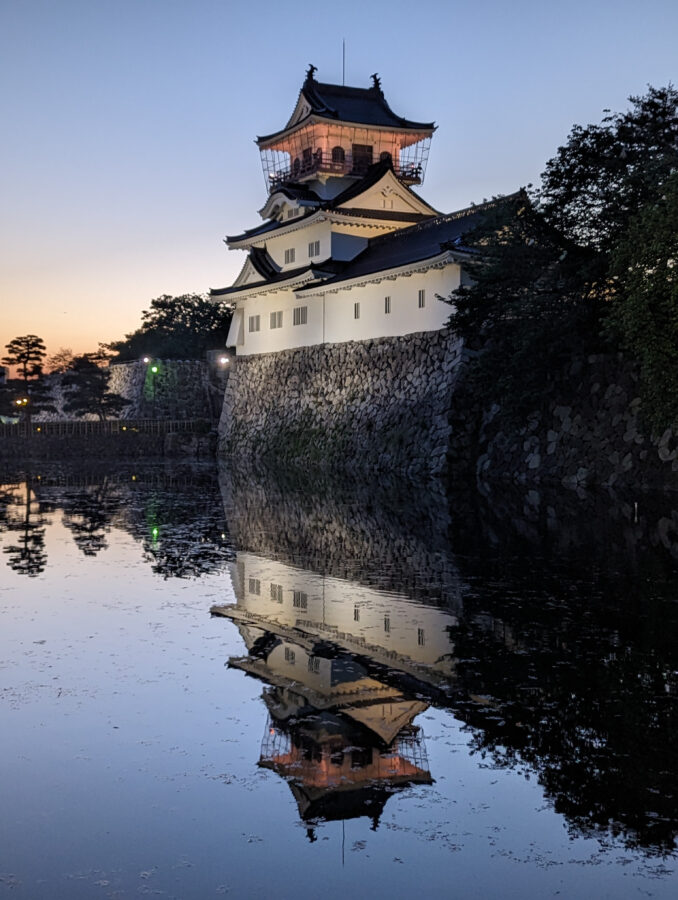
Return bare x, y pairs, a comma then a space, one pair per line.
310, 72
376, 82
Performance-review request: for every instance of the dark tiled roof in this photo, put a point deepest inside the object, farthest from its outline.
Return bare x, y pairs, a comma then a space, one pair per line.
373, 175
388, 215
414, 244
263, 263
297, 192
329, 267
353, 104
264, 228
366, 106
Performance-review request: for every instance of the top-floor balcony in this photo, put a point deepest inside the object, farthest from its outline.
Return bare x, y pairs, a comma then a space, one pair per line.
281, 166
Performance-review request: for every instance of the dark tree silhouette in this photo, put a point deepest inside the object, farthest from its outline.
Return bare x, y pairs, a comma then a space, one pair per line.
28, 393
28, 556
86, 384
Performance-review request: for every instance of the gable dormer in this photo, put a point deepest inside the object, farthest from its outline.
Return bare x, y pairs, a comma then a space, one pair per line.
383, 191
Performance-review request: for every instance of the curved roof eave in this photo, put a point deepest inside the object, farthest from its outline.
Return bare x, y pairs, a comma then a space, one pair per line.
408, 127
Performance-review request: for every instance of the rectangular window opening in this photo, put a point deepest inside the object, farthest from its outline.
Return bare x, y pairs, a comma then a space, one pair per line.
356, 310
255, 586
277, 593
422, 299
387, 305
255, 323
276, 319
289, 256
300, 315
300, 600
314, 249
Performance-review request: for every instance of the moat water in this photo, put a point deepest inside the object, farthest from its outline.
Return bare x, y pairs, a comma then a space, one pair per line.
233, 684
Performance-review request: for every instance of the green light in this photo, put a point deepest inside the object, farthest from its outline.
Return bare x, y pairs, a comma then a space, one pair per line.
155, 532
154, 369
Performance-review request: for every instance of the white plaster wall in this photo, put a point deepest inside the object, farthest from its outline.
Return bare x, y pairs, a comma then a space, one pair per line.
268, 339
300, 240
405, 316
331, 318
416, 632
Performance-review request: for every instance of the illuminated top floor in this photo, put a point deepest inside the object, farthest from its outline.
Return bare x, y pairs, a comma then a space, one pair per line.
336, 132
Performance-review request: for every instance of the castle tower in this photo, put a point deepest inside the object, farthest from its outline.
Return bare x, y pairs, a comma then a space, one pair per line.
336, 133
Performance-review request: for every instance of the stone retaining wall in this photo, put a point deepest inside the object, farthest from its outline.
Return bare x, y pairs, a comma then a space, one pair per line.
589, 431
379, 405
180, 389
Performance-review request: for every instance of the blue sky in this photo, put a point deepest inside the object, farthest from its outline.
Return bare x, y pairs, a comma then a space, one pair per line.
128, 126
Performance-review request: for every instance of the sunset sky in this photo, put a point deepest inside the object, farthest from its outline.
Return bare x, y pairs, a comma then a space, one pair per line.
128, 125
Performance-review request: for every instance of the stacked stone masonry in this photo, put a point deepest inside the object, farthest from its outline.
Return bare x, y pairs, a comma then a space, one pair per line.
378, 405
399, 405
180, 389
588, 431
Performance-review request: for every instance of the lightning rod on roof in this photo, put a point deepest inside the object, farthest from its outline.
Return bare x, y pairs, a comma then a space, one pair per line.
343, 61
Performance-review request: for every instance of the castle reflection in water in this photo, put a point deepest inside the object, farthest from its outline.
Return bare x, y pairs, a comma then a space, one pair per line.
546, 624
546, 627
332, 651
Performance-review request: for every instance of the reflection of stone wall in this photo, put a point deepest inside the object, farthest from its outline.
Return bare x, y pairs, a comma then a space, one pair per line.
379, 405
392, 536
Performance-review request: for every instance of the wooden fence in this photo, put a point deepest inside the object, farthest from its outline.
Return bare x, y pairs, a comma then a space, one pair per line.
112, 426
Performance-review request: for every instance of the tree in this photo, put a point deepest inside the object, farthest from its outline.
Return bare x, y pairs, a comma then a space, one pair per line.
26, 353
182, 327
61, 360
86, 387
644, 314
528, 304
544, 276
28, 556
605, 174
29, 393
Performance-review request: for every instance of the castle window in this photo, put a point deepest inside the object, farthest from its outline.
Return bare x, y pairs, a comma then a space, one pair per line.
290, 656
422, 299
291, 213
356, 310
362, 158
255, 323
307, 157
276, 319
338, 155
300, 315
289, 256
300, 600
314, 664
421, 639
255, 586
387, 305
314, 248
356, 613
387, 624
277, 593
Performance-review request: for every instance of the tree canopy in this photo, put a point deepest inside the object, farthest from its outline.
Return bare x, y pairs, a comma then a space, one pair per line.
182, 327
28, 393
644, 315
86, 386
552, 272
